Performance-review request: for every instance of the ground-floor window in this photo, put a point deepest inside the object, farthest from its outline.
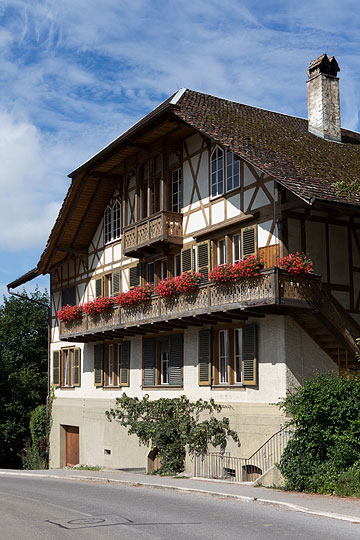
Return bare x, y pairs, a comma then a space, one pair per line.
163, 361
66, 367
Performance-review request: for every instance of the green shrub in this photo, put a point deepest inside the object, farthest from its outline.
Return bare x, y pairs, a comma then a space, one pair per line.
33, 454
348, 484
326, 442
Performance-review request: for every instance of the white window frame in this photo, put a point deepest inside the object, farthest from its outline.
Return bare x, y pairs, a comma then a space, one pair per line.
232, 165
236, 242
68, 364
112, 222
221, 251
164, 366
238, 355
224, 356
111, 365
217, 170
176, 190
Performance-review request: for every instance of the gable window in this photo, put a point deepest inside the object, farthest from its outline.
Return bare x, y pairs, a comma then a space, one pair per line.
66, 367
217, 172
112, 222
163, 361
176, 191
232, 171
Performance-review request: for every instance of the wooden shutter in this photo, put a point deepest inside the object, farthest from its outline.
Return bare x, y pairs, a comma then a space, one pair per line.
115, 283
249, 363
98, 287
98, 364
249, 241
186, 259
68, 296
134, 276
203, 259
204, 360
76, 374
176, 360
124, 363
149, 361
56, 368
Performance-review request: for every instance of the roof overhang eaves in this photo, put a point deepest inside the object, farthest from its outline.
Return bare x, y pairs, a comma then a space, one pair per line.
31, 274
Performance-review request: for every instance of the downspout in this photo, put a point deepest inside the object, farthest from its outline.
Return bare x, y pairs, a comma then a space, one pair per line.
48, 307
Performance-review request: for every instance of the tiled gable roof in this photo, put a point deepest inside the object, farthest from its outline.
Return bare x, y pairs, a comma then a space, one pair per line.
277, 144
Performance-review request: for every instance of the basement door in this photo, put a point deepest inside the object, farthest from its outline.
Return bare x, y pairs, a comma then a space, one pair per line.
72, 445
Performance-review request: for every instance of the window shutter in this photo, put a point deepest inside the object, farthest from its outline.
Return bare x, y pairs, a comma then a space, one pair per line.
176, 360
124, 363
134, 276
249, 363
203, 259
76, 367
186, 259
249, 241
68, 296
149, 361
98, 364
98, 287
56, 368
204, 358
115, 283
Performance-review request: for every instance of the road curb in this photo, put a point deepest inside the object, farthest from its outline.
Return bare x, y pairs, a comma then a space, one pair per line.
243, 498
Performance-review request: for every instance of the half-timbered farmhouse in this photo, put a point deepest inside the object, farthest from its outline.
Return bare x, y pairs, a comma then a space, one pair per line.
198, 183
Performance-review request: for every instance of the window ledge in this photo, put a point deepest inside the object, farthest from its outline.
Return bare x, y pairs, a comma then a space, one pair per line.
117, 387
67, 387
162, 387
240, 387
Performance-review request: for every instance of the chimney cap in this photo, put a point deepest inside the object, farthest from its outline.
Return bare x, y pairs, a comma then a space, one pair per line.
323, 64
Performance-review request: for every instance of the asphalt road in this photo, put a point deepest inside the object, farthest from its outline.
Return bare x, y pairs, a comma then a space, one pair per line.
44, 509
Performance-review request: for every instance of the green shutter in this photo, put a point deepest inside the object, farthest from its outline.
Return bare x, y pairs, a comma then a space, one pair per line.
124, 363
186, 259
115, 283
176, 360
76, 375
134, 276
203, 259
56, 368
249, 362
249, 241
98, 364
149, 361
98, 287
205, 358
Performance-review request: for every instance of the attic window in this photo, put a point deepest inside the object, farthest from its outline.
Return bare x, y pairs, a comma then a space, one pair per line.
112, 222
224, 176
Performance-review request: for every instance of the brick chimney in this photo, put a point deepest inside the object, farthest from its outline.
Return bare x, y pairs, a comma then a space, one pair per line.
324, 98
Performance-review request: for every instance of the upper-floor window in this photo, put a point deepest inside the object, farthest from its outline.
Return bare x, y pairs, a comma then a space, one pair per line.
225, 171
176, 191
112, 222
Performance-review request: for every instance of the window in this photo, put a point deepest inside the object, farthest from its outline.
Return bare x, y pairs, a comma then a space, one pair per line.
176, 191
66, 367
217, 172
236, 248
163, 361
232, 171
163, 269
150, 273
228, 356
224, 177
112, 364
221, 252
68, 296
177, 265
112, 222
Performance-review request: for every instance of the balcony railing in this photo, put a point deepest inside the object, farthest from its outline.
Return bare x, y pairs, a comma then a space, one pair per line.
162, 227
272, 288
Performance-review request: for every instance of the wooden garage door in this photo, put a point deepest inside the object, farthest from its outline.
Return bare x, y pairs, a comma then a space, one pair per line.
72, 445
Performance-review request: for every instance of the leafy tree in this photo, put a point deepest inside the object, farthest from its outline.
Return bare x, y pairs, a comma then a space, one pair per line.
23, 370
326, 442
172, 425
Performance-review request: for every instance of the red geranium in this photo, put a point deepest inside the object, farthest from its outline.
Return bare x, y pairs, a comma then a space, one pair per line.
167, 288
99, 305
69, 313
188, 282
134, 297
297, 264
232, 273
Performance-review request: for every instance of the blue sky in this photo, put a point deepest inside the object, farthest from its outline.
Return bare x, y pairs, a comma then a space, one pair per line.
75, 74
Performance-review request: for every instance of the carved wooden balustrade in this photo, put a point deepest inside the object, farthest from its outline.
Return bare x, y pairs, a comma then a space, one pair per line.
162, 227
272, 288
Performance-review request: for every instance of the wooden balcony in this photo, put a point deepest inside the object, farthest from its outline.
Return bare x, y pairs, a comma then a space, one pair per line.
151, 234
272, 291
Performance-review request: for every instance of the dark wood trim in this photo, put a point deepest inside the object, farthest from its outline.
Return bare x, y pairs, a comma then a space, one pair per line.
223, 225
